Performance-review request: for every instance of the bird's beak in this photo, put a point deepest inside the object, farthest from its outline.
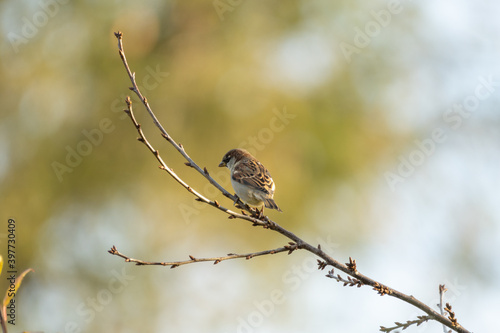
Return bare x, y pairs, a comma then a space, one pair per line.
222, 164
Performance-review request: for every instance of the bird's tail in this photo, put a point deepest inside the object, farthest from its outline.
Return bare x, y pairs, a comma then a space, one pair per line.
269, 203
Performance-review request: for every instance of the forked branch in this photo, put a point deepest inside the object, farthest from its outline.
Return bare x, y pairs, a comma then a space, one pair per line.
350, 268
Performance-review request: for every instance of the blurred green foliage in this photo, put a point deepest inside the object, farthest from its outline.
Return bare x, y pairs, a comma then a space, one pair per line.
214, 84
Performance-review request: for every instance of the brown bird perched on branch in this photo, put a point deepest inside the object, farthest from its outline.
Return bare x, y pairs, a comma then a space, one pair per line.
251, 180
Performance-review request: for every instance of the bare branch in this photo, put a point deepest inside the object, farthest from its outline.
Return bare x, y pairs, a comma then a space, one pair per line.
350, 268
204, 172
192, 260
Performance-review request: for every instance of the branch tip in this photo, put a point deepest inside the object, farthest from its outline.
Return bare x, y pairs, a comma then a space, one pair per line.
351, 264
321, 265
113, 250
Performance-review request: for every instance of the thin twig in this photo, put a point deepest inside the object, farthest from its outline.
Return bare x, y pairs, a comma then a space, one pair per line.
420, 320
442, 290
215, 260
349, 268
351, 282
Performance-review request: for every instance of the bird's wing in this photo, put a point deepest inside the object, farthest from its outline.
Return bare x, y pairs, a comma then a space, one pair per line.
252, 173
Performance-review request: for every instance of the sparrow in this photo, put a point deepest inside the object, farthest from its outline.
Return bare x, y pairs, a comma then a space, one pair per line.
251, 180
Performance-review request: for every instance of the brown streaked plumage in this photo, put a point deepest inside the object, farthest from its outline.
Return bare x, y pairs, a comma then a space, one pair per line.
251, 181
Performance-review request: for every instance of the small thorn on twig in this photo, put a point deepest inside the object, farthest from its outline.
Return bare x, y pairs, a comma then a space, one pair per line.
216, 203
231, 217
205, 170
132, 88
216, 262
174, 266
319, 247
188, 164
191, 257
